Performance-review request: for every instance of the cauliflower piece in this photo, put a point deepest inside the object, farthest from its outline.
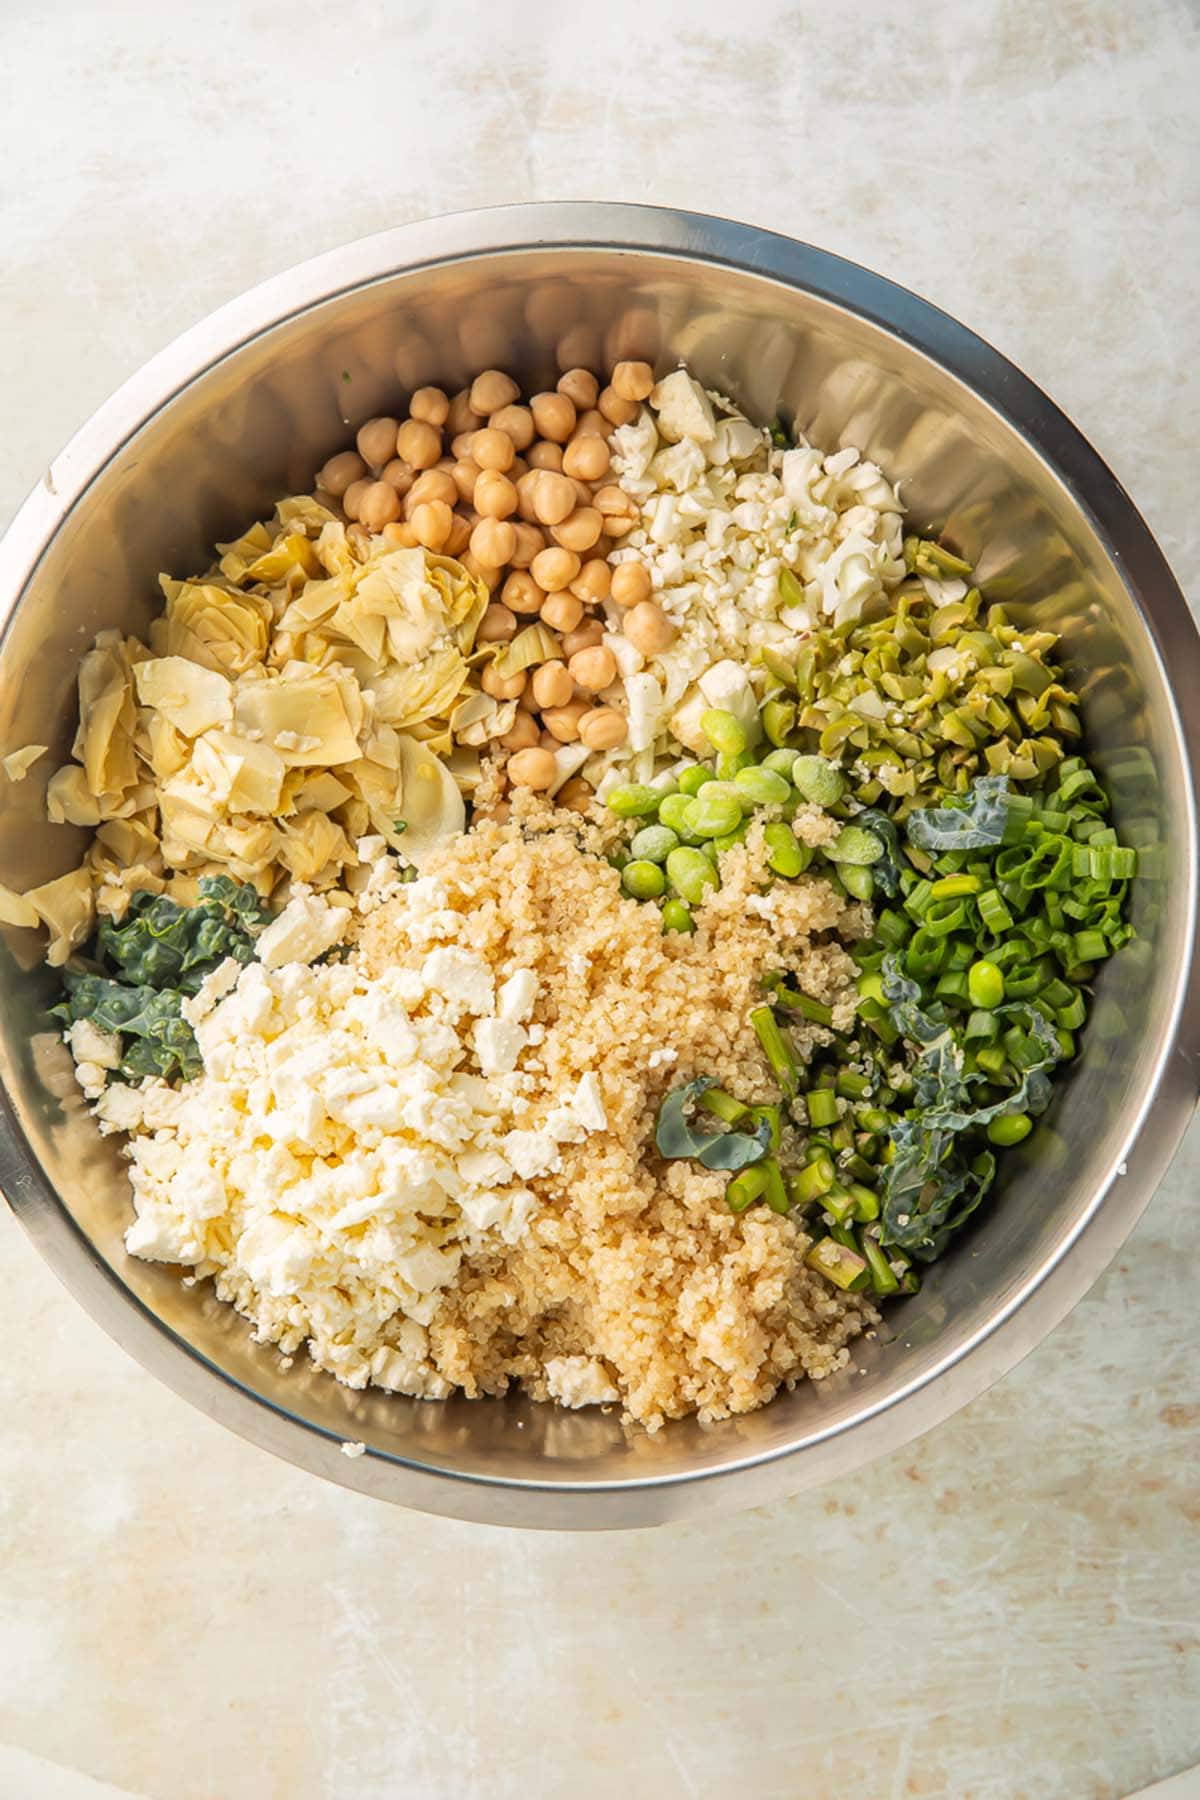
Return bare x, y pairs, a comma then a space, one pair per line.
684, 409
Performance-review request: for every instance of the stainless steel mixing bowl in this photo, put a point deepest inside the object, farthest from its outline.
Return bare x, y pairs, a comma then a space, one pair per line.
243, 409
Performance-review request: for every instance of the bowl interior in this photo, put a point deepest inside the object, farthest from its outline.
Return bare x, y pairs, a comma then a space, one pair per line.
256, 423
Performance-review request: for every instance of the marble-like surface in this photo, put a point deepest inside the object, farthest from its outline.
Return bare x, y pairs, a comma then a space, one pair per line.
1007, 1610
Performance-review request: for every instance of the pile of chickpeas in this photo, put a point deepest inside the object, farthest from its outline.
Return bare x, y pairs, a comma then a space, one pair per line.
522, 495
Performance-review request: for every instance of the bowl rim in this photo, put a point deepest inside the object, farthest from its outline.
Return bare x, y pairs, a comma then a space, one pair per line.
1171, 1086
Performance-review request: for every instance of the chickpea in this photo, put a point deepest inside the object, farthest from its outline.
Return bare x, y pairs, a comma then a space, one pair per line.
376, 441
497, 625
584, 637
398, 473
592, 423
397, 537
492, 390
516, 422
482, 571
432, 523
632, 380
379, 506
580, 386
495, 497
418, 443
580, 531
554, 569
460, 445
575, 795
562, 722
493, 542
593, 669
553, 416
502, 687
526, 486
619, 509
465, 474
648, 628
530, 541
431, 405
460, 535
593, 581
562, 611
586, 458
461, 418
630, 583
519, 467
521, 593
603, 728
524, 734
616, 410
546, 456
492, 449
528, 704
552, 685
434, 484
352, 497
532, 768
554, 497
336, 475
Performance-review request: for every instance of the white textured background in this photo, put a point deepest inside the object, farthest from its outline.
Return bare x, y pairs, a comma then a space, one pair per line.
1007, 1611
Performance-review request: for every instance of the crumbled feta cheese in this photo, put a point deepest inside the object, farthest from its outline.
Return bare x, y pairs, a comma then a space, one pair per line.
219, 982
336, 1155
304, 930
91, 1045
498, 1044
517, 995
587, 1103
580, 1381
353, 1449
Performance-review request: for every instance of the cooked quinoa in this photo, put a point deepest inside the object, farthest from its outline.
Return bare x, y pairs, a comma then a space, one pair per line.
633, 1279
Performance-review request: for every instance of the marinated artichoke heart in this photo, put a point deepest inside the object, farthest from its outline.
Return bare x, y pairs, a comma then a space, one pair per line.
295, 698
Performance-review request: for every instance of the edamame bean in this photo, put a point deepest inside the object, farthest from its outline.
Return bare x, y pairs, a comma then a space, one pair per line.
728, 763
634, 800
985, 984
1010, 1128
673, 813
723, 730
858, 881
781, 761
854, 845
762, 786
730, 838
712, 814
676, 917
693, 779
784, 850
643, 880
691, 874
653, 843
818, 780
